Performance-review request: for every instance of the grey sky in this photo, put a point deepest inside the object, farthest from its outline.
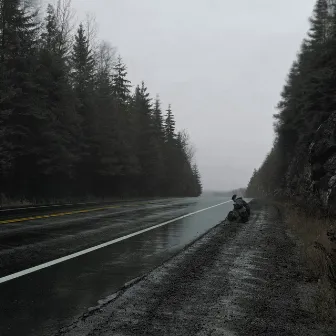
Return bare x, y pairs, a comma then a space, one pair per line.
220, 63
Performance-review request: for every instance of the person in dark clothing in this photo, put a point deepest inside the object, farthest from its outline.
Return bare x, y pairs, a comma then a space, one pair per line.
240, 201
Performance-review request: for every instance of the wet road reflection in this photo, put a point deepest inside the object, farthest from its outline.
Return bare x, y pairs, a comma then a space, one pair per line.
43, 302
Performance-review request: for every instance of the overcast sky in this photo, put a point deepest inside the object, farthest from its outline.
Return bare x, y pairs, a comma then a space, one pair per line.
220, 63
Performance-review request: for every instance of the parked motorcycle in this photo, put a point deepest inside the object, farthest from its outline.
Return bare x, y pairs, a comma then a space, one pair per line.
248, 209
238, 214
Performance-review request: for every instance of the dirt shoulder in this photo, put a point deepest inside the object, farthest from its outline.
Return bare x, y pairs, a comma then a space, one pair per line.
238, 279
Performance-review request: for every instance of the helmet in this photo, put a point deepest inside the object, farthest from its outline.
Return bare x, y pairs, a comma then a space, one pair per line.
234, 197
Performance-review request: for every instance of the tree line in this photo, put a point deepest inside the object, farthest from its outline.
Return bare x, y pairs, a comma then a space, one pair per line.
71, 124
307, 100
239, 192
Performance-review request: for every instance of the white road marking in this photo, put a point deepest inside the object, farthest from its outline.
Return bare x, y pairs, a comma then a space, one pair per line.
94, 248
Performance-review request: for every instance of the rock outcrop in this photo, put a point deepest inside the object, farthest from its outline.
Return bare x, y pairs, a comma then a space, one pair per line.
311, 176
322, 160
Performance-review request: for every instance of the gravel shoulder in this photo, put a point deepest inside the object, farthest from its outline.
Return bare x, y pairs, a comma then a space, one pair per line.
238, 279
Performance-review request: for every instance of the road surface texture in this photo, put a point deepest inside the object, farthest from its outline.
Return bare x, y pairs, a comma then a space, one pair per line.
39, 300
236, 280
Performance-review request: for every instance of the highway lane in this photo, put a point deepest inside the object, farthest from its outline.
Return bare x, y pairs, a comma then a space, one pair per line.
41, 302
34, 242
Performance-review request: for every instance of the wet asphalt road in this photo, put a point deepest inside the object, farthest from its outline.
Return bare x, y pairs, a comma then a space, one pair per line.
42, 302
237, 280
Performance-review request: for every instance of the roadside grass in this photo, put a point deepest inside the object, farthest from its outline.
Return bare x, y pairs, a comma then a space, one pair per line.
318, 252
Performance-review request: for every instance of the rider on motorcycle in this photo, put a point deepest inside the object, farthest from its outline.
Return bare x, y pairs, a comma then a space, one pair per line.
240, 201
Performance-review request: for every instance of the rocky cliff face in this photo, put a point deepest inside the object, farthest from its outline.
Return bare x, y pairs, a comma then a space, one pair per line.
322, 156
311, 181
311, 176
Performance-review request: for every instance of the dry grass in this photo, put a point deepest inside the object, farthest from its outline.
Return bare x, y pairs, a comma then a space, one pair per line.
324, 301
319, 256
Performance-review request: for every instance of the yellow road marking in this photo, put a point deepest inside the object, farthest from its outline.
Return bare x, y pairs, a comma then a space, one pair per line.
25, 219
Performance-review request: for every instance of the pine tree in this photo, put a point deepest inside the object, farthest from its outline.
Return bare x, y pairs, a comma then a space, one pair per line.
146, 147
126, 125
320, 23
170, 126
182, 170
50, 37
106, 134
121, 85
307, 101
198, 189
20, 118
185, 178
174, 157
158, 119
83, 65
69, 125
113, 157
159, 146
58, 152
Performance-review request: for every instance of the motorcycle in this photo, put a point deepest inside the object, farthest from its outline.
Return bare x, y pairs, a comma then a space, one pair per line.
238, 214
248, 209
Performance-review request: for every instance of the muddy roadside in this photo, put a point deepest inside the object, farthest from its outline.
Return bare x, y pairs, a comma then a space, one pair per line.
238, 279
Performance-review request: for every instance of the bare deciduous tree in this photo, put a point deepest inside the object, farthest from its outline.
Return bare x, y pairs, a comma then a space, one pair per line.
105, 57
91, 28
188, 147
65, 16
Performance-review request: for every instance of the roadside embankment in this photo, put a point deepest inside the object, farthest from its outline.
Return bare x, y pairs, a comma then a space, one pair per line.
238, 279
315, 236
